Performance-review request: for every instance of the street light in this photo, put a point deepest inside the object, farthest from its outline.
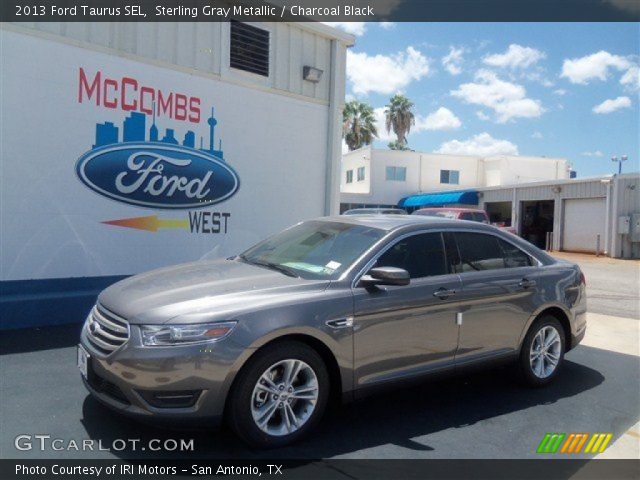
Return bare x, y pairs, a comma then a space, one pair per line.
623, 158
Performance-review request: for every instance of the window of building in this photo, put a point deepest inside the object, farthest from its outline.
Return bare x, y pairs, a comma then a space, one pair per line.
450, 176
360, 174
249, 49
421, 255
349, 176
398, 174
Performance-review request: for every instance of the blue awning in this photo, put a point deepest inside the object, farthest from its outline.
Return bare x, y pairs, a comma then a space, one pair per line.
439, 199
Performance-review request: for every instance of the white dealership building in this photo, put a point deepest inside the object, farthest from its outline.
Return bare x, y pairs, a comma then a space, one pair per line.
371, 177
533, 194
131, 146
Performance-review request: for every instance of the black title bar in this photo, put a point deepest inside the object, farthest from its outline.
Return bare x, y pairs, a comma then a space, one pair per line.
320, 10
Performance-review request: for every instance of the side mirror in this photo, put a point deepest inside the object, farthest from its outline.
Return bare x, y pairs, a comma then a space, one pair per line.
385, 276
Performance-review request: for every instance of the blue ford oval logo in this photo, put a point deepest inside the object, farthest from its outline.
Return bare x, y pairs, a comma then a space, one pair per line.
157, 175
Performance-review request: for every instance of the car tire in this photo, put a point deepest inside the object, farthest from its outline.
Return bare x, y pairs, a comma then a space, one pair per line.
261, 384
537, 359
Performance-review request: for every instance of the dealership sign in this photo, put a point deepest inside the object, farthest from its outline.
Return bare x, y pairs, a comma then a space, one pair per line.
138, 163
157, 176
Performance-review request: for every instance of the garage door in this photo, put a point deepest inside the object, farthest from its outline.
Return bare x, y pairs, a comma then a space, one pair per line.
584, 220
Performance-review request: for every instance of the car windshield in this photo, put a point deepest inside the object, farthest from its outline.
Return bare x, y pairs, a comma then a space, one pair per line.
315, 249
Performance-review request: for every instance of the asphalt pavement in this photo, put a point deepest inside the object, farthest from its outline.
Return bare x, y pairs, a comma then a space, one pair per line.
613, 285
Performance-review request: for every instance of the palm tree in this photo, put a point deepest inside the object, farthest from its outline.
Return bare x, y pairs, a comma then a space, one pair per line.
358, 124
399, 118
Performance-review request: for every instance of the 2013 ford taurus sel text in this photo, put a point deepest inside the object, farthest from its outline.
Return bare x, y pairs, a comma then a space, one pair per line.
334, 306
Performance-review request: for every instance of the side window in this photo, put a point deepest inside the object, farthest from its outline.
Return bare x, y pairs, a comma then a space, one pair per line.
421, 255
478, 252
513, 256
467, 216
479, 217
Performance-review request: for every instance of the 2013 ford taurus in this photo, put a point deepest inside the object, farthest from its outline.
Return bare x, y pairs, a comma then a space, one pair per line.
334, 306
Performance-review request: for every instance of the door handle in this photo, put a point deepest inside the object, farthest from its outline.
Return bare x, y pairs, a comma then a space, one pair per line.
443, 293
526, 283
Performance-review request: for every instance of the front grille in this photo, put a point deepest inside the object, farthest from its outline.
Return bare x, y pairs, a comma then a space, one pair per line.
106, 331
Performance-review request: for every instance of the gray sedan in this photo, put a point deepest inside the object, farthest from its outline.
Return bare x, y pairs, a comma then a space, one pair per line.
330, 308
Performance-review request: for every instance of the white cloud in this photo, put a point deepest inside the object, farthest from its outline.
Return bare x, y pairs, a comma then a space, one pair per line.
610, 106
597, 153
387, 25
594, 66
537, 135
560, 92
516, 56
385, 74
482, 144
452, 62
507, 100
354, 28
631, 79
483, 116
441, 119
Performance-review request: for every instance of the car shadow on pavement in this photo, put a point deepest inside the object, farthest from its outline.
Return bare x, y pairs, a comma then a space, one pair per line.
35, 339
393, 417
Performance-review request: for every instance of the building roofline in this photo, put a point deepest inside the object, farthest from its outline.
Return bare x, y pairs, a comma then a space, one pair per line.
482, 157
559, 181
326, 31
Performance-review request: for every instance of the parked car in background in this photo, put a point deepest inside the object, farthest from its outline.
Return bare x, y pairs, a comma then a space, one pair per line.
456, 213
375, 211
333, 307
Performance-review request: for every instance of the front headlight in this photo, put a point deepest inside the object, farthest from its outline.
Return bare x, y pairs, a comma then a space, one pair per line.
156, 335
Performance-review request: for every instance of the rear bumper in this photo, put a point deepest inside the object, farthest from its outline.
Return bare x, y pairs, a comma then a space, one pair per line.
576, 337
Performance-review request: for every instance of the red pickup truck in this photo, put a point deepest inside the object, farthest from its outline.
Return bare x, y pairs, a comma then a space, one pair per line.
472, 214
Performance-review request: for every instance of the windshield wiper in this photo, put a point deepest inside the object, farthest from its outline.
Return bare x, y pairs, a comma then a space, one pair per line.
273, 266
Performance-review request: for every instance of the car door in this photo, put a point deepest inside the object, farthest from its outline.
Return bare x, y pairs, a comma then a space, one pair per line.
498, 291
402, 331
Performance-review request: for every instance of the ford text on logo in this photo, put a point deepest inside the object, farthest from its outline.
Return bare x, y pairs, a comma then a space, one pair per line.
157, 175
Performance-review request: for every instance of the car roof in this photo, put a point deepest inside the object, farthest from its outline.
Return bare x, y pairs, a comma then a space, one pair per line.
395, 222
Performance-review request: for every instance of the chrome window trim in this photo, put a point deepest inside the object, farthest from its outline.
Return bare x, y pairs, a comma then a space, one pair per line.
369, 264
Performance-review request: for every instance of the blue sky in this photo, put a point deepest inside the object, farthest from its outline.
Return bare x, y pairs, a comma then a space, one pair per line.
554, 89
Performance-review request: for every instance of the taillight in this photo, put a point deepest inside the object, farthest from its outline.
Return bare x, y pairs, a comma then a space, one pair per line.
583, 280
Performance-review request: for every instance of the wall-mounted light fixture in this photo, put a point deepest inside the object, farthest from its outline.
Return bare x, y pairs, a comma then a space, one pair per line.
311, 74
556, 189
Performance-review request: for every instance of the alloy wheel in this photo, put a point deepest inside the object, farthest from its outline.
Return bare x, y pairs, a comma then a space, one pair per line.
284, 397
545, 352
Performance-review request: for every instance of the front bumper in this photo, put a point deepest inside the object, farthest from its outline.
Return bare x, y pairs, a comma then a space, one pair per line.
185, 384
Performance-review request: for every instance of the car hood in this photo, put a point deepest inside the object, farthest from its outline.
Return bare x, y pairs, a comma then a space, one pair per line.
201, 291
